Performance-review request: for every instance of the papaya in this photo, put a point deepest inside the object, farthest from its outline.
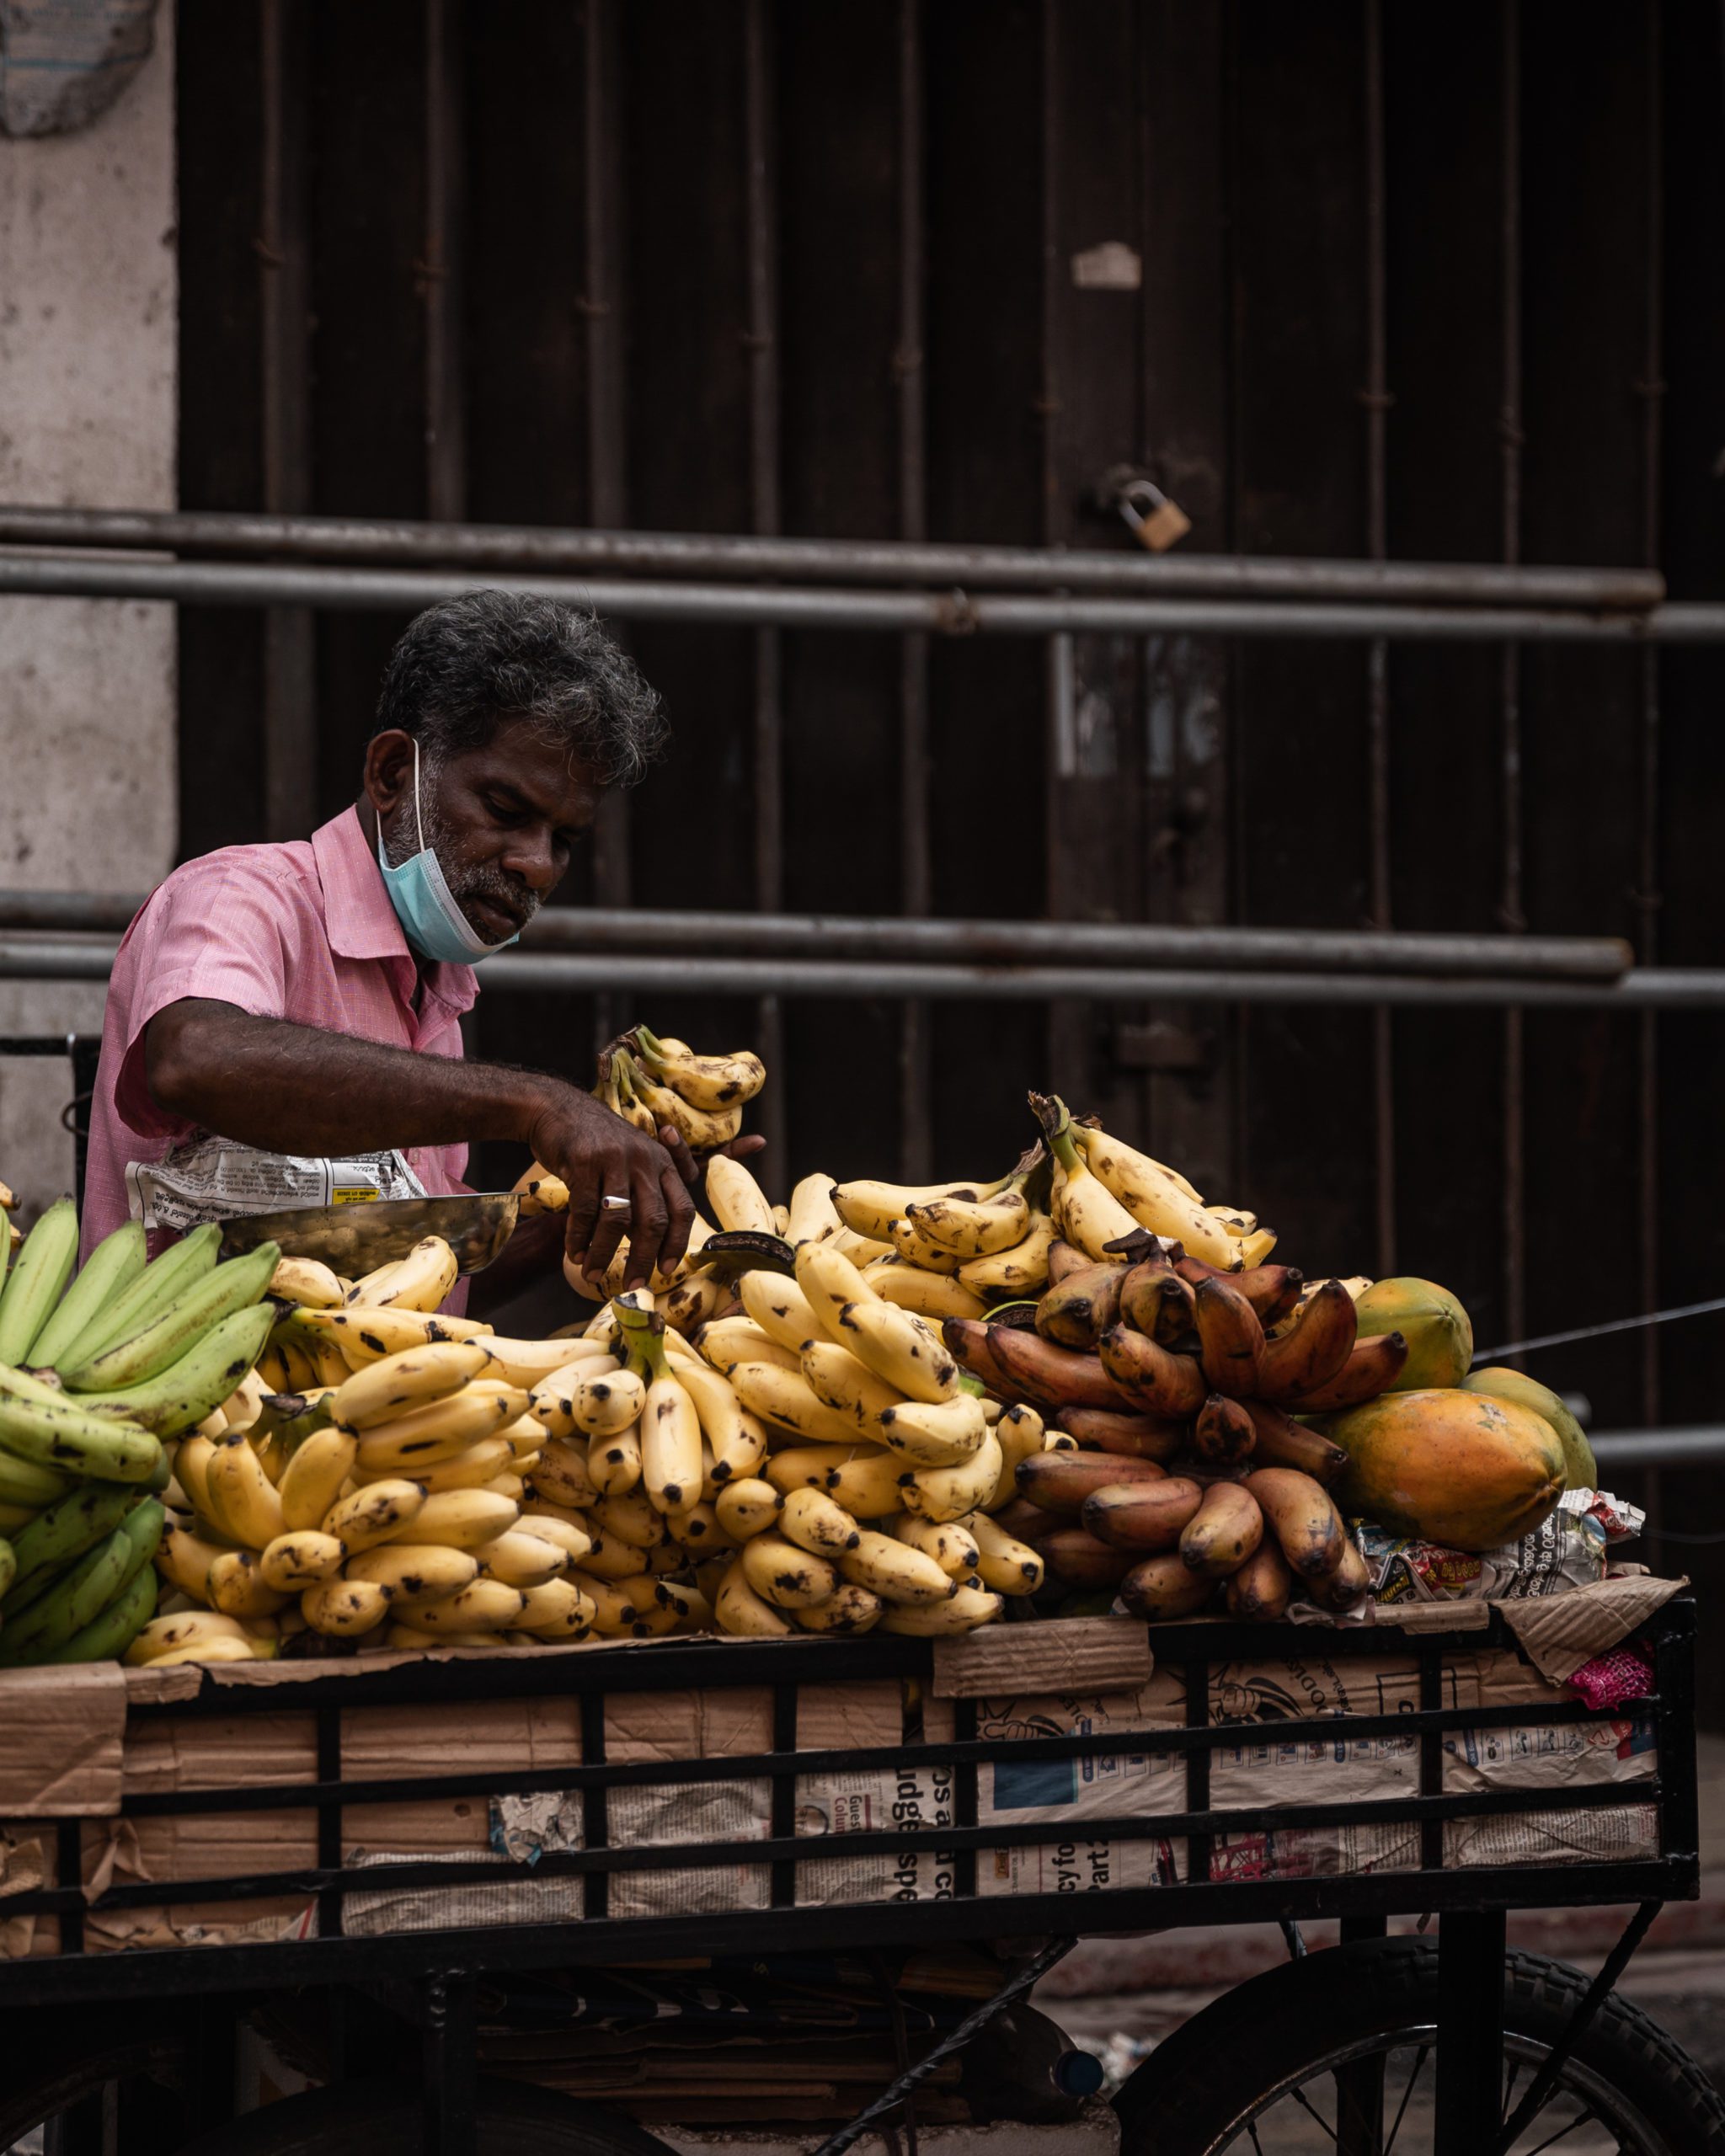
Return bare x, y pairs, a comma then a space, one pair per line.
1438, 1330
1524, 1392
1460, 1469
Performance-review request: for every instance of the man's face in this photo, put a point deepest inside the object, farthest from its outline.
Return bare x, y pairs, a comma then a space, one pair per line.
502, 819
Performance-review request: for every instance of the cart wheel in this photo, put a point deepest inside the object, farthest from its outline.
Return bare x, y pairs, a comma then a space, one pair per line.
1273, 2064
71, 2063
384, 2118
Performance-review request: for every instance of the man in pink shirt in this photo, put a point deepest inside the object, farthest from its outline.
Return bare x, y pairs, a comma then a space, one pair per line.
305, 999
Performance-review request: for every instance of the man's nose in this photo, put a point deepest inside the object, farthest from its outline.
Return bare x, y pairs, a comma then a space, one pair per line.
532, 856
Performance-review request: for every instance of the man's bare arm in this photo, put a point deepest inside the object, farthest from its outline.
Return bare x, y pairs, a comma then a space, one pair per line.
297, 1089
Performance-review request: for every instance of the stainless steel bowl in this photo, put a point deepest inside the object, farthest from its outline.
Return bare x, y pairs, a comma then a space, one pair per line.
359, 1237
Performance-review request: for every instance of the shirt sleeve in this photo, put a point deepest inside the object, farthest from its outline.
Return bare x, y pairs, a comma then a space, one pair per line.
223, 930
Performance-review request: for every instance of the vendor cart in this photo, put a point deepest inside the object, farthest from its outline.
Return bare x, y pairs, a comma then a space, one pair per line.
1382, 2043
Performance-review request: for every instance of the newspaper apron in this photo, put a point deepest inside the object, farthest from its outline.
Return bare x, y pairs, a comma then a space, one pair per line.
208, 1179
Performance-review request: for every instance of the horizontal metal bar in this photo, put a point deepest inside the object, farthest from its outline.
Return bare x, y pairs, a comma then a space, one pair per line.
49, 958
246, 533
1697, 1445
589, 931
954, 613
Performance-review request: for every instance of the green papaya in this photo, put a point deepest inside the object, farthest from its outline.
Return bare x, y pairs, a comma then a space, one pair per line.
1438, 1330
1515, 1385
1456, 1468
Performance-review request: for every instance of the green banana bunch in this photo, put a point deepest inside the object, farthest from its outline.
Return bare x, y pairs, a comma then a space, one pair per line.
79, 1597
113, 1264
59, 1536
9, 1566
23, 1483
68, 1436
183, 1395
112, 1630
165, 1338
149, 1294
38, 1280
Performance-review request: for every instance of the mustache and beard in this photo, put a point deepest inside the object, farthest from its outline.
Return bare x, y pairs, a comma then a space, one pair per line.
481, 880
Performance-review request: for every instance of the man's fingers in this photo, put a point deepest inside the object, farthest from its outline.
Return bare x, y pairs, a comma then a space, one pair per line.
587, 1187
677, 1146
647, 1228
615, 1222
679, 1218
739, 1149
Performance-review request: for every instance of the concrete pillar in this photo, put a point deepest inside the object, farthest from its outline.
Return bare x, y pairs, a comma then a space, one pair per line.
88, 358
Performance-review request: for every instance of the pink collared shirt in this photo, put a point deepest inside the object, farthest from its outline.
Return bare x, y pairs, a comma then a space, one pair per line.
303, 932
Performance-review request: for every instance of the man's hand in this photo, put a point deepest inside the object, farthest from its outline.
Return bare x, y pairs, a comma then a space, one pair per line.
688, 1167
602, 1157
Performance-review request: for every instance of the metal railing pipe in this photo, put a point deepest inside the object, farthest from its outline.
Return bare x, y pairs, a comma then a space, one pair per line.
954, 613
379, 540
589, 931
51, 958
1697, 1445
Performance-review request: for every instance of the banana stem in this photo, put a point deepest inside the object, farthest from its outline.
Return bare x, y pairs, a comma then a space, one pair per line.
1055, 1118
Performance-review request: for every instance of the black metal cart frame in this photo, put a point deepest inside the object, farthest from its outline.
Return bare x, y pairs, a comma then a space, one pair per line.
432, 1974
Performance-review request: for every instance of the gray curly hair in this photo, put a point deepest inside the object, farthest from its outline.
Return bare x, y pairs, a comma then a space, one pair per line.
464, 666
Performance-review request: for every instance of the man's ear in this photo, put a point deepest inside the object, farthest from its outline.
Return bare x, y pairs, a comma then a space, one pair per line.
389, 770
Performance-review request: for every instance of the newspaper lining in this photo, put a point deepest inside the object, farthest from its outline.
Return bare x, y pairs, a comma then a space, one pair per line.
211, 1180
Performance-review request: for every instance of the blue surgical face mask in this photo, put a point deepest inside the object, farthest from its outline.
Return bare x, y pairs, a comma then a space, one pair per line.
431, 921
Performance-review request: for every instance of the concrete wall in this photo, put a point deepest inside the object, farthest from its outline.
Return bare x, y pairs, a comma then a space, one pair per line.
89, 362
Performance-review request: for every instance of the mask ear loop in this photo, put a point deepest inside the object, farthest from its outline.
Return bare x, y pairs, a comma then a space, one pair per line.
419, 819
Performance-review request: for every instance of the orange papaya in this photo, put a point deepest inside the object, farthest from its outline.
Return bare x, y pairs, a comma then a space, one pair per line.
1461, 1469
1438, 1330
1524, 1392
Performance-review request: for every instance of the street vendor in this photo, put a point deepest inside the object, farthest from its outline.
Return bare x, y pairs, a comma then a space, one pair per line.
283, 1022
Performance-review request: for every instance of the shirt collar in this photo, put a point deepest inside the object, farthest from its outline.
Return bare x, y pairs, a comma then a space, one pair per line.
359, 919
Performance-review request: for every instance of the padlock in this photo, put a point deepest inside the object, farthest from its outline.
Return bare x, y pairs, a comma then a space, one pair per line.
1151, 518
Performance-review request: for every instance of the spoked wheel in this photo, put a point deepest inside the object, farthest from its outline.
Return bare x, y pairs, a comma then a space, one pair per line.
1338, 2052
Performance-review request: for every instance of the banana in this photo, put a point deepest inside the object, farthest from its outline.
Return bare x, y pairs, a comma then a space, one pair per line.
568, 1536
1260, 1591
80, 1595
521, 1558
1077, 1312
69, 1438
724, 1341
462, 1519
238, 1588
925, 1436
747, 1505
968, 1608
737, 1440
810, 1214
902, 1348
849, 1388
1224, 1531
942, 1493
974, 1227
1303, 1518
13, 1518
1278, 1441
738, 1203
293, 1563
367, 1335
1004, 1563
27, 1486
1309, 1352
561, 1475
815, 1523
343, 1608
784, 1575
364, 1291
1085, 1211
1019, 1432
917, 1289
778, 1306
423, 1280
37, 1281
1164, 1588
868, 1207
112, 1630
849, 1609
529, 1363
1372, 1366
698, 1531
243, 1502
1225, 1433
1144, 1516
595, 1399
1153, 1198
1060, 1482
540, 1191
415, 1572
207, 1652
1231, 1339
1255, 1248
671, 1470
866, 1480
146, 1294
183, 1560
244, 1407
313, 1479
893, 1570
484, 1606
739, 1610
305, 1282
1345, 1584
1148, 1377
614, 1462
179, 1397
910, 1246
176, 1331
785, 1399
702, 1130
830, 1283
1021, 1270
614, 1612
694, 1302
57, 1537
610, 1558
1076, 1559
555, 1609
185, 1628
951, 1542
712, 1082
632, 1519
116, 1262
372, 1515
430, 1434
414, 1378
